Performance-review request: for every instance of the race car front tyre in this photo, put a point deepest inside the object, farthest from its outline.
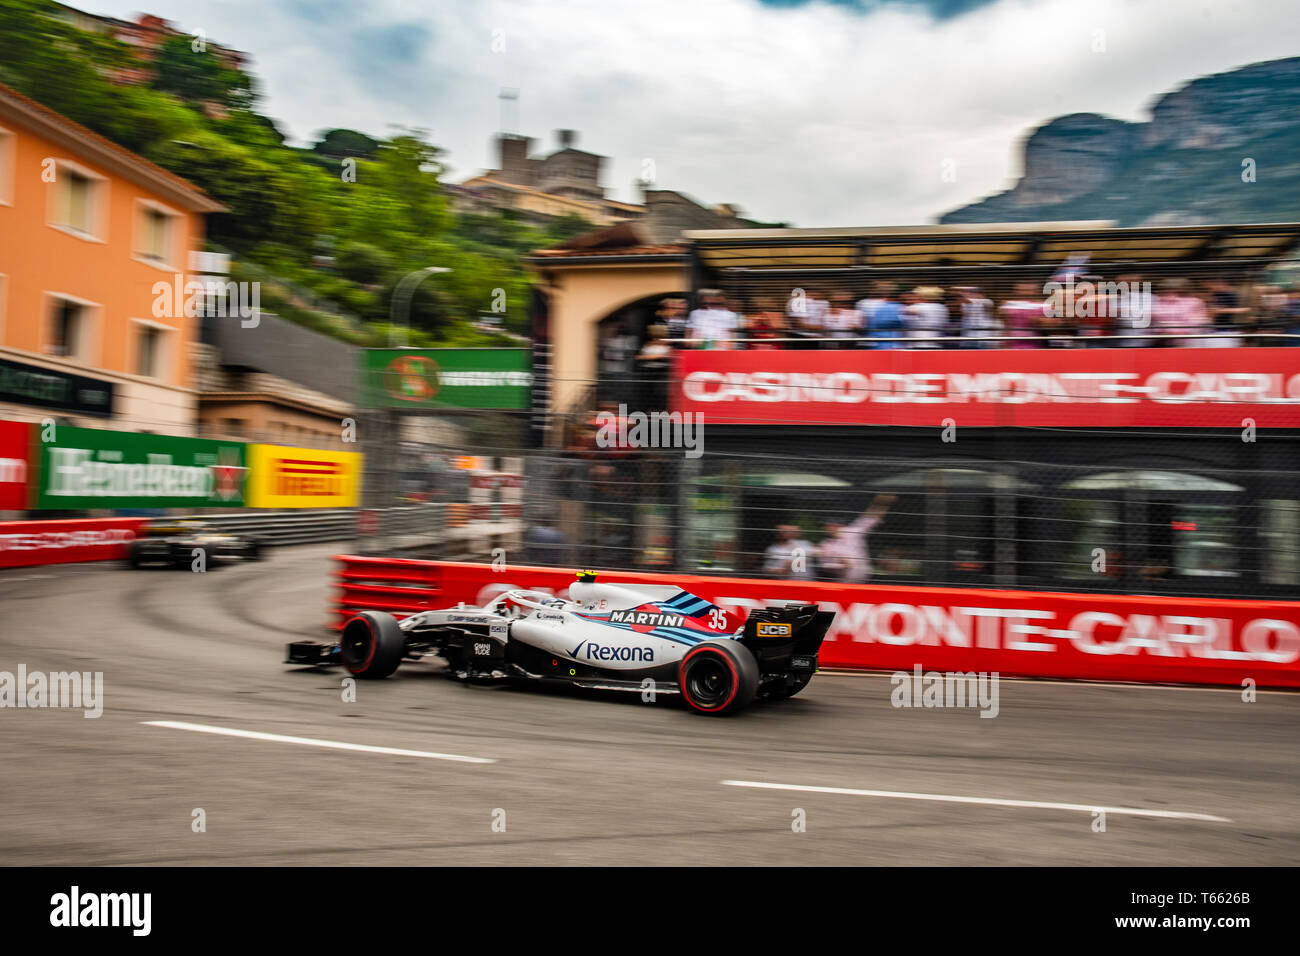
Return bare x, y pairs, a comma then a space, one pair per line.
718, 677
372, 645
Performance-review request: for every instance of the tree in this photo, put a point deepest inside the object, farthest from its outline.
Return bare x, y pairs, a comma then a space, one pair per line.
199, 76
341, 143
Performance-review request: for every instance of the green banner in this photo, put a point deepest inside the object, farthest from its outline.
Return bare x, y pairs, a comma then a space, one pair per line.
446, 378
92, 468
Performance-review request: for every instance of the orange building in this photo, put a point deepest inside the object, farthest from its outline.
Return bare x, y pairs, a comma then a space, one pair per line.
87, 229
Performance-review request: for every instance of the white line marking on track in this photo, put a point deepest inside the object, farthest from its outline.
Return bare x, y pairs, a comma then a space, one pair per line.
311, 741
988, 801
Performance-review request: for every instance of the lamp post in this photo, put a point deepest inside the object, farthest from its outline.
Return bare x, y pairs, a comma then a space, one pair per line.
402, 303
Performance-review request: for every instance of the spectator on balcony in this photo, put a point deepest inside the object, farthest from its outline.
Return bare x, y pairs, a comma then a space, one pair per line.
979, 321
926, 317
713, 325
1092, 310
885, 327
652, 365
806, 317
1021, 316
842, 321
1290, 318
1132, 312
1176, 312
617, 348
790, 556
867, 306
1226, 311
842, 555
672, 315
1270, 310
762, 329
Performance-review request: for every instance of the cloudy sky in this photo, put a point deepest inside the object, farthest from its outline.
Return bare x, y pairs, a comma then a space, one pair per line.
816, 112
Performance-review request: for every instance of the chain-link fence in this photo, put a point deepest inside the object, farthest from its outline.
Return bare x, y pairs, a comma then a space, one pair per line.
1180, 511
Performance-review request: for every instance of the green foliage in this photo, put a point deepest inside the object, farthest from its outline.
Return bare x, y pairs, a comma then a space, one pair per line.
338, 143
199, 76
344, 220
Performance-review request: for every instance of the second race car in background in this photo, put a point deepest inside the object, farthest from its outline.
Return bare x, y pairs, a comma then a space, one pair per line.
177, 544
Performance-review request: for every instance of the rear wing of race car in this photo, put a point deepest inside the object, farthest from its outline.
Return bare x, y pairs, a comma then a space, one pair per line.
786, 638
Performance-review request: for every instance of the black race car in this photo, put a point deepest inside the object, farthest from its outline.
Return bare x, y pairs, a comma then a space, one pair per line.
179, 544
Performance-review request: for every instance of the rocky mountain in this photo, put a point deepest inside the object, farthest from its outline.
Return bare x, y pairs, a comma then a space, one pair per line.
1186, 165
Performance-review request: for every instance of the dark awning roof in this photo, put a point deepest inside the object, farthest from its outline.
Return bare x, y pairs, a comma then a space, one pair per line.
999, 244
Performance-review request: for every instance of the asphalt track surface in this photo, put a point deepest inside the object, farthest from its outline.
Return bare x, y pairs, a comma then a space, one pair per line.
582, 778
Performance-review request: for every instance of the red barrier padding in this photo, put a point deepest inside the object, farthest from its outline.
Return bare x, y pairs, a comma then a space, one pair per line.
1016, 633
29, 543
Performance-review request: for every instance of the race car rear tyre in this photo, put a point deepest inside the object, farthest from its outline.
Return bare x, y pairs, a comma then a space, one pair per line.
718, 677
372, 645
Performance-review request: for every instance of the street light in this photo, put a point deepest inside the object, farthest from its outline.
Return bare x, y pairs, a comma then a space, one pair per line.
402, 294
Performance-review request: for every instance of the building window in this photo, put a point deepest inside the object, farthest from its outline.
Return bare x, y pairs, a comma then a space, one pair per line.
78, 199
150, 343
7, 150
69, 328
156, 235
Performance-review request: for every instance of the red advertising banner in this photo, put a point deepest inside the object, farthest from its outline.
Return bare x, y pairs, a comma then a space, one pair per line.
1206, 387
884, 627
15, 468
28, 543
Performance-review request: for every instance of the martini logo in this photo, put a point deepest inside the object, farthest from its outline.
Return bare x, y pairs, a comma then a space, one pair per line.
652, 618
413, 378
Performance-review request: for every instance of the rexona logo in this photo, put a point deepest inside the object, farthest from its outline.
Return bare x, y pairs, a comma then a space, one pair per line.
599, 652
653, 618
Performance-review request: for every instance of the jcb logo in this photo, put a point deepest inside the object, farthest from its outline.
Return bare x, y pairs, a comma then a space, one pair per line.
774, 630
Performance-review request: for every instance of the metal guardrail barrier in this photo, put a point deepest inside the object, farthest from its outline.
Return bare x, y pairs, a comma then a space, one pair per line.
458, 525
289, 527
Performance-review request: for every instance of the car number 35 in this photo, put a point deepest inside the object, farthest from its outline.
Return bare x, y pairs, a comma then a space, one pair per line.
718, 619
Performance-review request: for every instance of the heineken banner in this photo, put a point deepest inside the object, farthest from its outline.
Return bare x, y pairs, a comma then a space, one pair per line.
429, 379
90, 468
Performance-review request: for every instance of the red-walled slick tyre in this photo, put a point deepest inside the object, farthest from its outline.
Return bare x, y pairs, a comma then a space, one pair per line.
718, 677
372, 645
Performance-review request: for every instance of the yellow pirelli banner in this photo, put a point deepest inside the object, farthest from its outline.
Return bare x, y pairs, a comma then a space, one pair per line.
281, 477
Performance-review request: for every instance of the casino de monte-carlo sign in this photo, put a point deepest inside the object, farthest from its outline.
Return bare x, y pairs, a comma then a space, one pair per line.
1170, 387
22, 384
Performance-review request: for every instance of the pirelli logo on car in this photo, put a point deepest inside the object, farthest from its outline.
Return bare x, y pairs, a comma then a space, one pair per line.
769, 629
282, 477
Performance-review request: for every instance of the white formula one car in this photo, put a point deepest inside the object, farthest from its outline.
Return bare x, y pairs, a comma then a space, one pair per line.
604, 636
